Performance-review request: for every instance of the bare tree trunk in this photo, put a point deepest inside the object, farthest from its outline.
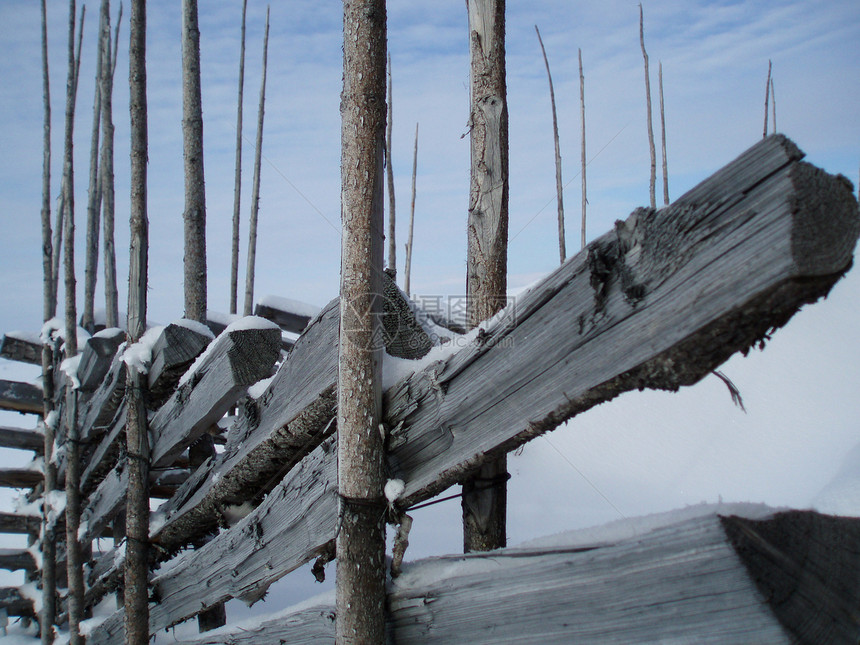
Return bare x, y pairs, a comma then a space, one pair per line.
195, 192
582, 162
137, 496
57, 245
49, 308
106, 170
237, 185
773, 104
360, 587
653, 184
559, 186
94, 195
389, 168
484, 497
766, 98
255, 194
663, 137
408, 268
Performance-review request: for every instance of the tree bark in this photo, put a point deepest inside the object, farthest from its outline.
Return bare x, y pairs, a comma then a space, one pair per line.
94, 195
766, 98
360, 587
195, 192
663, 137
389, 170
582, 161
237, 184
49, 298
559, 186
651, 148
137, 500
408, 268
107, 174
255, 189
486, 265
773, 106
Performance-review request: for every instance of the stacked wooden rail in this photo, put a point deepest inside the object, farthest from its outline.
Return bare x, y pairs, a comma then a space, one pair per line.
658, 302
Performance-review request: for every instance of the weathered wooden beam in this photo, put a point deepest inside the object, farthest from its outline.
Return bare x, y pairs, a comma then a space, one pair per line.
100, 407
662, 290
237, 359
22, 346
20, 397
22, 438
174, 351
97, 356
15, 604
105, 455
289, 315
17, 559
15, 523
20, 477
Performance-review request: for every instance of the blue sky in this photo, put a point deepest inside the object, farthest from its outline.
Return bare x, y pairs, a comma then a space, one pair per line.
643, 453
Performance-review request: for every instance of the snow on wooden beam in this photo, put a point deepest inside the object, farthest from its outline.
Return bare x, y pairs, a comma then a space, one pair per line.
20, 397
20, 477
25, 347
17, 559
15, 523
172, 354
97, 356
236, 359
22, 438
289, 315
15, 604
662, 290
100, 407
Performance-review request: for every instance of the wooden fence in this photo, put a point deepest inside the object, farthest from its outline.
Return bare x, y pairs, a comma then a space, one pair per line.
658, 302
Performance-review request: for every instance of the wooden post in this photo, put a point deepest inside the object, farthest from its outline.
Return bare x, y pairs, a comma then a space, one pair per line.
137, 500
766, 98
484, 496
653, 182
559, 186
582, 162
192, 144
389, 172
360, 588
49, 308
407, 269
237, 182
255, 189
663, 137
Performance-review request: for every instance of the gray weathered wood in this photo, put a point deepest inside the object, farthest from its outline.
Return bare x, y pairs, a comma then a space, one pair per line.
15, 604
20, 397
22, 438
285, 319
20, 477
101, 406
236, 360
17, 559
794, 229
104, 457
173, 352
96, 357
25, 347
15, 523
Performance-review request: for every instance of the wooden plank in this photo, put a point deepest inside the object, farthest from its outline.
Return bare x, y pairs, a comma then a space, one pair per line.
105, 455
15, 604
20, 397
101, 406
173, 352
236, 359
14, 523
289, 315
20, 477
25, 347
97, 356
17, 559
789, 225
22, 438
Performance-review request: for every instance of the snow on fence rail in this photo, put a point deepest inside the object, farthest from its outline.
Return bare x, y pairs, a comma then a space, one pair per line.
662, 290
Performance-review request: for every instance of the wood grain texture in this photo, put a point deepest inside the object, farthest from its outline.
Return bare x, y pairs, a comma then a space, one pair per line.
20, 397
96, 358
22, 438
173, 352
15, 523
20, 477
23, 347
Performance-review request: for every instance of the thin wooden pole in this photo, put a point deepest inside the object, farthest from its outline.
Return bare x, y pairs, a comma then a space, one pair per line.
49, 296
237, 182
484, 496
582, 162
766, 98
255, 194
108, 202
360, 586
408, 268
195, 192
137, 496
651, 148
389, 169
94, 195
663, 137
773, 105
559, 186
